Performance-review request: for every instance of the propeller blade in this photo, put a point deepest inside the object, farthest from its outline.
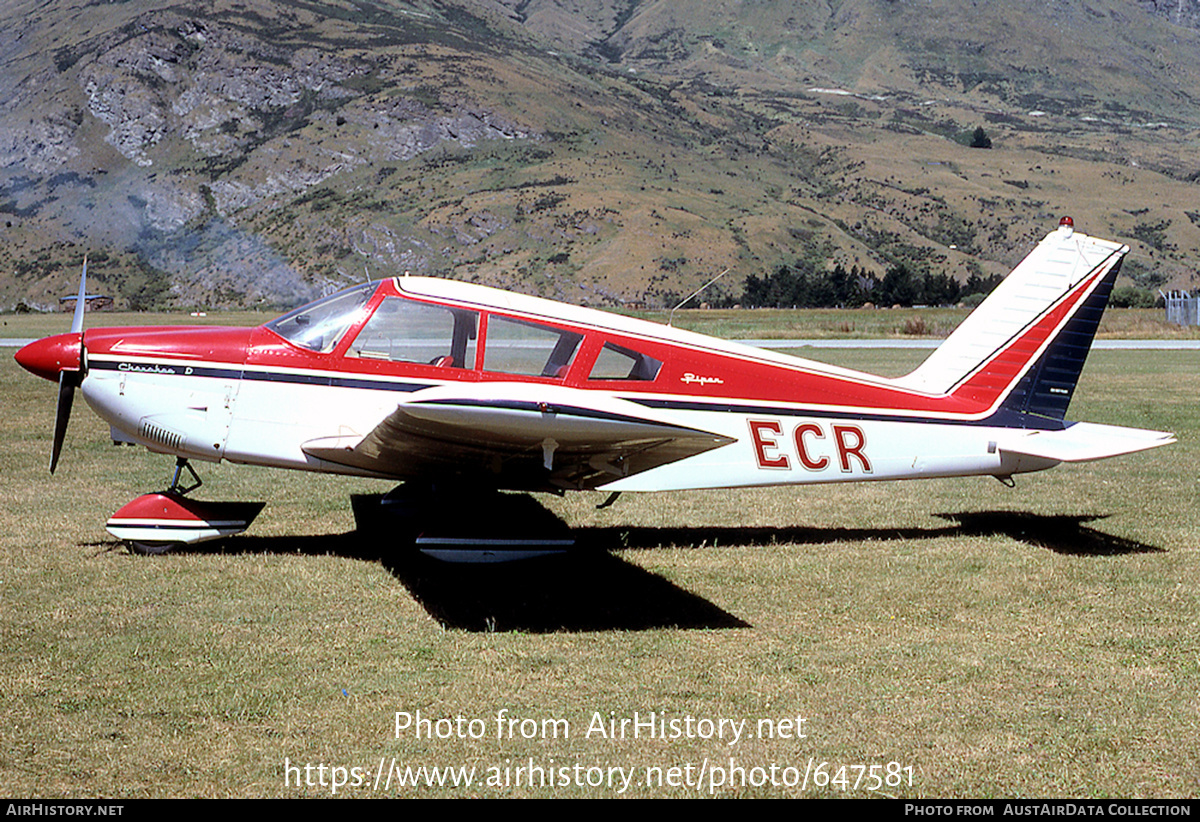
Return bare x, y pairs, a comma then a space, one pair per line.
80, 301
62, 413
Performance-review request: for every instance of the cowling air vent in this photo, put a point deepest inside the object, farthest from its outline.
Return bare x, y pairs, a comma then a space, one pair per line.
160, 435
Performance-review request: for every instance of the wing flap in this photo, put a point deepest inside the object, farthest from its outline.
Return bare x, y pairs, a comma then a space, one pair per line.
1084, 441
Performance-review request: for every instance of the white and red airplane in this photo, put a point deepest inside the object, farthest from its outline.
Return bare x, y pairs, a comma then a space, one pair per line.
456, 389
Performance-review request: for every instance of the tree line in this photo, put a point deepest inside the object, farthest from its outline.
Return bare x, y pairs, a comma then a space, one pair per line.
802, 285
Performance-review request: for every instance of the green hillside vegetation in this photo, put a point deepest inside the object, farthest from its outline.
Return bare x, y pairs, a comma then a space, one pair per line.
258, 153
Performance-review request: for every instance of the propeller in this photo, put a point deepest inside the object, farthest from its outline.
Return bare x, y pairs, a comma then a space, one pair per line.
69, 380
61, 358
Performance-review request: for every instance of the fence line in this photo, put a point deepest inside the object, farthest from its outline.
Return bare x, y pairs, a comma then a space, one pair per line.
1182, 308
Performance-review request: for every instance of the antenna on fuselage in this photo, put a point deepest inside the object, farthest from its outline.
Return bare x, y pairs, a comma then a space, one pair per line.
671, 316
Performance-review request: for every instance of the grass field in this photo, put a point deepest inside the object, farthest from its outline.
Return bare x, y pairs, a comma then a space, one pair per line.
1036, 641
832, 323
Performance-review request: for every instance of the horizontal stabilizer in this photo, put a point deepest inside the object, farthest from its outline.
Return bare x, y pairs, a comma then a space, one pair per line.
1084, 441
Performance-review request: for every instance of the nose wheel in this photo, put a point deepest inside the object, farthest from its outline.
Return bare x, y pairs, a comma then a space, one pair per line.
156, 523
149, 549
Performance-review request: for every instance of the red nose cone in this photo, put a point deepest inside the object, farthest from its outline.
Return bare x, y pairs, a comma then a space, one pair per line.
48, 357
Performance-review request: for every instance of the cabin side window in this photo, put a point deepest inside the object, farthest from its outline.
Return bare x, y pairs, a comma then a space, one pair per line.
531, 349
407, 331
616, 362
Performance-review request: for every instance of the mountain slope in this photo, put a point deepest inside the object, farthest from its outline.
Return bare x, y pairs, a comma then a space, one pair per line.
1084, 56
264, 151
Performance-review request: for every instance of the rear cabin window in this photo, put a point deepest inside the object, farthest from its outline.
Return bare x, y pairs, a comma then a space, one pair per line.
406, 331
616, 362
531, 349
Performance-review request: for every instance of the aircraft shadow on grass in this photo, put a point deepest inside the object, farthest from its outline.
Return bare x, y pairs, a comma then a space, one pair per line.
593, 589
1062, 534
582, 590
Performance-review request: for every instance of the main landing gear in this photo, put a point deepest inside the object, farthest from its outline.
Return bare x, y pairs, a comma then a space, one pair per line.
156, 523
456, 524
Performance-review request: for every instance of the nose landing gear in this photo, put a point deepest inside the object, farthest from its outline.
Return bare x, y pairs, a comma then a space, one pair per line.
176, 487
156, 523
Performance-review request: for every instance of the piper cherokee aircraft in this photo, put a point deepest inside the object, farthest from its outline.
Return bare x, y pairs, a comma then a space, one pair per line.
458, 389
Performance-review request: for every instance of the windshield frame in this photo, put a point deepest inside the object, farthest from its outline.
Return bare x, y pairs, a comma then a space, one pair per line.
320, 325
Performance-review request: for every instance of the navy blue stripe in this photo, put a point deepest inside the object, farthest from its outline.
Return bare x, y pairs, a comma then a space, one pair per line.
178, 370
174, 369
378, 385
1003, 418
281, 376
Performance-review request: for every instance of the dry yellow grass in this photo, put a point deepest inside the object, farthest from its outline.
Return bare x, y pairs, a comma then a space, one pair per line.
1036, 641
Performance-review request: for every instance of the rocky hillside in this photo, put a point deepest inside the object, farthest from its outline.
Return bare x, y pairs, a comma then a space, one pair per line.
1179, 12
262, 151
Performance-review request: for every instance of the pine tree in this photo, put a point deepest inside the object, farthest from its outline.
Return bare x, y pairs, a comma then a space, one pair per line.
980, 139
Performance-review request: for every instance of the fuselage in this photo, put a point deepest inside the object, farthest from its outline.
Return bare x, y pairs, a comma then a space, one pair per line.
258, 396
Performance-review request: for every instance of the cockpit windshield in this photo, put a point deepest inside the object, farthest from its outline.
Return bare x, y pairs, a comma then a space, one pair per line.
318, 326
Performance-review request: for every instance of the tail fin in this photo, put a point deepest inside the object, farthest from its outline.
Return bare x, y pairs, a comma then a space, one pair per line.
1021, 352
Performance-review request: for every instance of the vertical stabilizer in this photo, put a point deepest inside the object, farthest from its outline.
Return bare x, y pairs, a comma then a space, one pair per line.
1024, 347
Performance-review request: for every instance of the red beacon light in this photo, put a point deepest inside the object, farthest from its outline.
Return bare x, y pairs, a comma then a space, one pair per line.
1066, 225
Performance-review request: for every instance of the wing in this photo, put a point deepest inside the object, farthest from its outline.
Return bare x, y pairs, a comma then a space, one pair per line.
519, 436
